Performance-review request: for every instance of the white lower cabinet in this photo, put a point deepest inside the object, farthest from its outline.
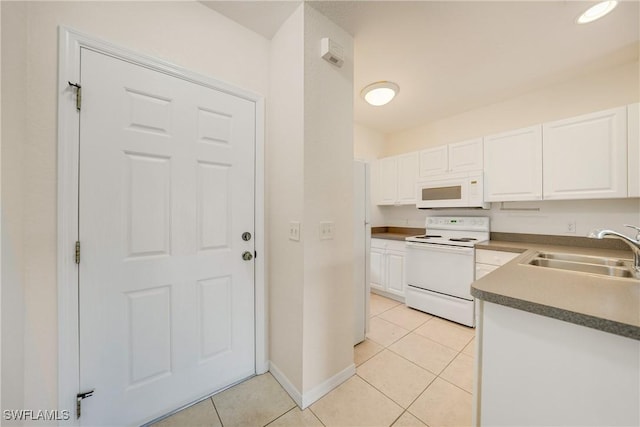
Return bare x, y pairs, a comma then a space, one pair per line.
387, 266
488, 260
378, 269
533, 370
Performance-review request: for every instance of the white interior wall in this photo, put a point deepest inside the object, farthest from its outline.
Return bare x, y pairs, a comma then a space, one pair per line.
14, 128
285, 175
310, 279
185, 33
612, 87
368, 144
328, 189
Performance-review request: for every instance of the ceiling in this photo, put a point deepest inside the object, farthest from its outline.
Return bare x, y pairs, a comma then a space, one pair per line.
453, 56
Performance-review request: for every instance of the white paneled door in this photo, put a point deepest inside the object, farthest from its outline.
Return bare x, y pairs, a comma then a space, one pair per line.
166, 192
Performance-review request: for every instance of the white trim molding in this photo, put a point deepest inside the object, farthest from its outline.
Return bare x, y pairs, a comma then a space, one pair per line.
304, 400
313, 395
70, 43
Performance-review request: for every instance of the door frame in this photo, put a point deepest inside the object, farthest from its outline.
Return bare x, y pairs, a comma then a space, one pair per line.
70, 42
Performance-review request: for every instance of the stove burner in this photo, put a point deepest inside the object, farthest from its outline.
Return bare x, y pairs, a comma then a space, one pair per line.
462, 239
428, 236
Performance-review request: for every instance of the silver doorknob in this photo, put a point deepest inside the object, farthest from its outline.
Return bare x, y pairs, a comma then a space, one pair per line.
247, 256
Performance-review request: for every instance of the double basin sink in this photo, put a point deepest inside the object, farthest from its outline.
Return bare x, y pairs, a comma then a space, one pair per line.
610, 267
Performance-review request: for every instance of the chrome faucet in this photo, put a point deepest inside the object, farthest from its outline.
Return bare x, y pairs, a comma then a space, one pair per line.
634, 244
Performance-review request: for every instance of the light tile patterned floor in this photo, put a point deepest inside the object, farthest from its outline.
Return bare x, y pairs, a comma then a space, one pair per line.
412, 370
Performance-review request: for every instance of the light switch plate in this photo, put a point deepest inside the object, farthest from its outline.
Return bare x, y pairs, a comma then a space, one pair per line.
326, 230
294, 231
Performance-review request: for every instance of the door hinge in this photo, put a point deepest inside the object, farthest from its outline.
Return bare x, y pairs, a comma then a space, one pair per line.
77, 252
78, 95
79, 398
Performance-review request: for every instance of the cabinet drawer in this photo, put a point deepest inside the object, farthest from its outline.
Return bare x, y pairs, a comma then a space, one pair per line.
379, 243
396, 245
484, 256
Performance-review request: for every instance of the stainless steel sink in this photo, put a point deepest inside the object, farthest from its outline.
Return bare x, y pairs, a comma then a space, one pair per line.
611, 267
604, 270
585, 259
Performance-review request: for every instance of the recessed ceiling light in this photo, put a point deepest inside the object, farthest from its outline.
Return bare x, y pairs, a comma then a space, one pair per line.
596, 11
380, 93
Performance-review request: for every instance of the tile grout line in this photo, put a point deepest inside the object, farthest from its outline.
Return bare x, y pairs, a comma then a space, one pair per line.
382, 392
317, 416
216, 409
280, 416
437, 375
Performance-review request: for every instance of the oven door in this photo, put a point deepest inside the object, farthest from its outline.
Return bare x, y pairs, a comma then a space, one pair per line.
443, 269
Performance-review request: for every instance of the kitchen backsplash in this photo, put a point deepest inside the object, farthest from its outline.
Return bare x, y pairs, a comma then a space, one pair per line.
545, 217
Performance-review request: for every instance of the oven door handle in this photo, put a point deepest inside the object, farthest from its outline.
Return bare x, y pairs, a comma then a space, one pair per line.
462, 250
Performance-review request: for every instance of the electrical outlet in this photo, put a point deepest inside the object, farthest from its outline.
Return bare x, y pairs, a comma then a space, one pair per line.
294, 231
571, 227
326, 230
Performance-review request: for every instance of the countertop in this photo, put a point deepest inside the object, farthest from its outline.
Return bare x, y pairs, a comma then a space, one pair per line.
600, 302
394, 233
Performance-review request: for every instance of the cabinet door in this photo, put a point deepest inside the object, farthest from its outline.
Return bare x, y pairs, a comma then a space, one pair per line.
407, 177
387, 181
465, 156
513, 165
633, 150
434, 161
585, 157
378, 270
395, 273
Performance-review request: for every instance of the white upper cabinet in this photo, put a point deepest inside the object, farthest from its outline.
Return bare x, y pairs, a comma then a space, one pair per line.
396, 179
434, 161
633, 150
513, 165
585, 157
407, 177
466, 156
456, 157
387, 182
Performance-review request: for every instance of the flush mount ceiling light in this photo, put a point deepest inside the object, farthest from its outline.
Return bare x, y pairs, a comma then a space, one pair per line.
380, 93
596, 11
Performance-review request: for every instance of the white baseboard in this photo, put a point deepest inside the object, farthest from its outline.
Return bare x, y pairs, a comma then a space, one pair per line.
388, 295
325, 387
310, 397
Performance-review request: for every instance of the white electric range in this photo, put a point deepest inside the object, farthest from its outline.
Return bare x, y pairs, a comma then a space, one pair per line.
440, 267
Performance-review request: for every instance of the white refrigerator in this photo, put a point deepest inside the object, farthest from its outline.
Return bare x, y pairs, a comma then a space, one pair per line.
361, 246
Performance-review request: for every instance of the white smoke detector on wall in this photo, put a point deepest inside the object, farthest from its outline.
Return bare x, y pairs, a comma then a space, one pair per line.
332, 52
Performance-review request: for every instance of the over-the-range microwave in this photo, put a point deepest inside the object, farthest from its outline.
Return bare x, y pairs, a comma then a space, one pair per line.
454, 190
